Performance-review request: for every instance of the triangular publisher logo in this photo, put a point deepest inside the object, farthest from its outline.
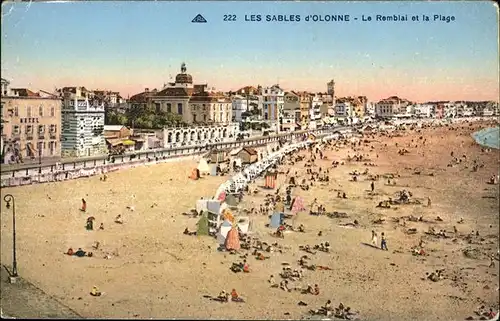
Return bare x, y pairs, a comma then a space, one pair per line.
199, 19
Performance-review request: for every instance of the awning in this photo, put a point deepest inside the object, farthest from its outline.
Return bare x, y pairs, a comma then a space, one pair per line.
128, 142
114, 142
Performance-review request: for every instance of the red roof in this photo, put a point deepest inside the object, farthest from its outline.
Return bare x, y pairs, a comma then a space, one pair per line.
176, 92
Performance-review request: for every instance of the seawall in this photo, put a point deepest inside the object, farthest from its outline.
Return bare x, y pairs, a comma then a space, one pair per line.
66, 170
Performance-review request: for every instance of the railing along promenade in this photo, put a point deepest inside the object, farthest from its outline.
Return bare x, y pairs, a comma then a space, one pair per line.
16, 175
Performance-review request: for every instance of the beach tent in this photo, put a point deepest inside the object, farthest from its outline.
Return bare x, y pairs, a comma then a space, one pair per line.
202, 225
297, 205
213, 170
231, 200
201, 206
203, 166
222, 196
271, 179
214, 206
225, 228
244, 224
232, 240
276, 219
221, 240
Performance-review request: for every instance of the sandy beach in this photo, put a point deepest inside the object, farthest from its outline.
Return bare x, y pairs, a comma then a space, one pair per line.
161, 273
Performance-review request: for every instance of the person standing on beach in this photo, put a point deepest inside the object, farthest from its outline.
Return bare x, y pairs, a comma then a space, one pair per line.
429, 203
383, 243
372, 185
84, 205
374, 238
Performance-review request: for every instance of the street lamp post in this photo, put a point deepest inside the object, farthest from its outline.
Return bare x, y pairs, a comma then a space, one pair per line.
9, 198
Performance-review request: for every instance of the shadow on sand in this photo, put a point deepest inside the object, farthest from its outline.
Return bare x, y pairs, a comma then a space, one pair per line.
370, 245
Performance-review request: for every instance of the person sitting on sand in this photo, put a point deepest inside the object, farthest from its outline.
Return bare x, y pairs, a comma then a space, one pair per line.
223, 296
70, 251
316, 290
328, 305
235, 297
344, 195
301, 228
80, 252
90, 224
271, 280
246, 267
95, 291
284, 286
119, 219
101, 227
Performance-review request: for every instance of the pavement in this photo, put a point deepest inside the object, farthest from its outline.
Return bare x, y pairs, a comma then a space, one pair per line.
26, 301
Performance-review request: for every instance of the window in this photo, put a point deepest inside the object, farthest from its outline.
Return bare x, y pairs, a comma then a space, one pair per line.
41, 129
179, 108
52, 111
40, 111
29, 129
16, 111
169, 107
28, 111
16, 129
53, 128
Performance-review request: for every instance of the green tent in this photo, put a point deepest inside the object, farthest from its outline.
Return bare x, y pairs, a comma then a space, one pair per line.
203, 225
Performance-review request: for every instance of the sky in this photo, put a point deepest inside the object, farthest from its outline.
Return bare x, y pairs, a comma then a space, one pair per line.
128, 46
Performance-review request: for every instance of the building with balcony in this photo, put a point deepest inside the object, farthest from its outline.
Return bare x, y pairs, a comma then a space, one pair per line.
210, 107
315, 112
31, 124
82, 123
423, 110
195, 103
390, 107
273, 102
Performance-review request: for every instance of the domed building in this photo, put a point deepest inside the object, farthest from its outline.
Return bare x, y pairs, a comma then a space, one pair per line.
183, 79
209, 111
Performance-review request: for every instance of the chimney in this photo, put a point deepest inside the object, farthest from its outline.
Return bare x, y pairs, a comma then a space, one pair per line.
146, 90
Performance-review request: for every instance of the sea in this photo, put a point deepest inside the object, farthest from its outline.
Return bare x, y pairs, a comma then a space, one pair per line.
488, 137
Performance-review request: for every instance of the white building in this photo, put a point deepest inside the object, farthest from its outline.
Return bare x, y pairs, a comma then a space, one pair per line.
423, 110
239, 105
450, 110
464, 110
315, 113
370, 109
390, 107
5, 87
82, 123
343, 109
273, 101
289, 120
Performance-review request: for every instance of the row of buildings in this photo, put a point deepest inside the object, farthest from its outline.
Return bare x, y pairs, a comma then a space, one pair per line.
70, 122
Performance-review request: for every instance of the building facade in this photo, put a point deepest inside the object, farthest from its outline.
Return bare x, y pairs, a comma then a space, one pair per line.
214, 108
31, 125
239, 106
273, 100
82, 123
199, 135
391, 106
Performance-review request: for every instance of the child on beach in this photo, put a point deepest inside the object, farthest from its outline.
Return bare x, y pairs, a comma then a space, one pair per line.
84, 205
383, 244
